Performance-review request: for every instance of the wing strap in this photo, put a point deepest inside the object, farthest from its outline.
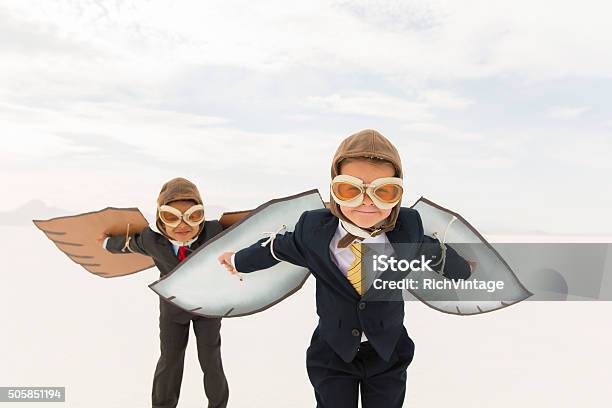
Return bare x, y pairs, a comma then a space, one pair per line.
128, 238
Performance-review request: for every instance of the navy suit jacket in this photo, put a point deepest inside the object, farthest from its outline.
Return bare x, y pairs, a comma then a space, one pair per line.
343, 313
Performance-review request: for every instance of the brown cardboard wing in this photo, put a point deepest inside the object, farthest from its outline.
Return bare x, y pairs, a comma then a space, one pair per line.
77, 237
230, 218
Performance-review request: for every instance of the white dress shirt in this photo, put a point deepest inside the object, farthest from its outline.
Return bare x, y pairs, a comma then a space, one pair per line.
344, 257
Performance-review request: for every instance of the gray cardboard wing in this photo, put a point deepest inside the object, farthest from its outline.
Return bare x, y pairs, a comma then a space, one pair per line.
454, 230
204, 287
76, 236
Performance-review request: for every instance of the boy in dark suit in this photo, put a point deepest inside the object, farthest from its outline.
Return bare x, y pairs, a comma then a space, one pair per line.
357, 343
180, 220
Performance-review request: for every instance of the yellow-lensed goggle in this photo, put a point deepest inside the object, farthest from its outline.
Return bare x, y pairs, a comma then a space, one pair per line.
172, 217
350, 191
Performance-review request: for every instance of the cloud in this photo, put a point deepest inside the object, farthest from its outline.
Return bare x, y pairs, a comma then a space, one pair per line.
394, 15
417, 108
97, 132
371, 104
414, 40
567, 112
105, 100
440, 130
442, 99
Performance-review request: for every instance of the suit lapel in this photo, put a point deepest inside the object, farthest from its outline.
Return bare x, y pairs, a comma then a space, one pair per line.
169, 249
324, 237
401, 240
395, 235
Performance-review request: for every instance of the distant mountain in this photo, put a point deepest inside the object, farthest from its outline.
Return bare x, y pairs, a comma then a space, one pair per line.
32, 210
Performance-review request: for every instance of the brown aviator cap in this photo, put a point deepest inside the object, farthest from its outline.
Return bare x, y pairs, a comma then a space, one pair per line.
174, 190
367, 143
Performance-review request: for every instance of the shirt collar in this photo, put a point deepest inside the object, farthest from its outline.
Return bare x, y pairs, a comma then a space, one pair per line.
177, 244
341, 232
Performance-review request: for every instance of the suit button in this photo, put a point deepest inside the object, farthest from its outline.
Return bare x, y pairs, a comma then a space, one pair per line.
362, 305
355, 333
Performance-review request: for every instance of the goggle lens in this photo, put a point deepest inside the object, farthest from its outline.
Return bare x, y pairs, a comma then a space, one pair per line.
196, 216
388, 193
168, 217
346, 191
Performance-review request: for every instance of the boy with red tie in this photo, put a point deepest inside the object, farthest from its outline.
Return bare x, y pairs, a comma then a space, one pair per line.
182, 229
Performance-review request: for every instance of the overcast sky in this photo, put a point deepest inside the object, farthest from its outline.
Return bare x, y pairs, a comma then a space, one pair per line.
501, 110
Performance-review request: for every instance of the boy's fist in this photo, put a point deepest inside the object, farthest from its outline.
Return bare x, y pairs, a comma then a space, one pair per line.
226, 260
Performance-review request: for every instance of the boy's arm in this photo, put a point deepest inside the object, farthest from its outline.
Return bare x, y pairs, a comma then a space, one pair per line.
137, 243
288, 247
455, 266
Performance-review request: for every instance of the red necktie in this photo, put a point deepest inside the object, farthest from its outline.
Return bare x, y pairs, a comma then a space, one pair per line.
182, 253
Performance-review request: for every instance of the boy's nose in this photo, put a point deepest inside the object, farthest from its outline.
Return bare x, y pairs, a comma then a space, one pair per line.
367, 200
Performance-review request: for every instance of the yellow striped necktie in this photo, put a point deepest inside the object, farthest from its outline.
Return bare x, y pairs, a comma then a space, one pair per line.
354, 272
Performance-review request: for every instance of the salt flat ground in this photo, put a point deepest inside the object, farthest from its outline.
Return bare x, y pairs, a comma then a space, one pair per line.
62, 326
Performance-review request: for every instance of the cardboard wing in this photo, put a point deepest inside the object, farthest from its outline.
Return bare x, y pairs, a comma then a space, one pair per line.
230, 218
452, 229
77, 236
202, 286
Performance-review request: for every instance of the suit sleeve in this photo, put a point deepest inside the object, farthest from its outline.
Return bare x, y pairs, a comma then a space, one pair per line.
138, 243
288, 247
455, 266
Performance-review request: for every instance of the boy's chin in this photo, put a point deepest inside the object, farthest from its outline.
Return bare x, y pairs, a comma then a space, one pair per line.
365, 222
182, 238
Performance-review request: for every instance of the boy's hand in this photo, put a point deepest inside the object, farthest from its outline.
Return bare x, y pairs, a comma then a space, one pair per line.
226, 260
